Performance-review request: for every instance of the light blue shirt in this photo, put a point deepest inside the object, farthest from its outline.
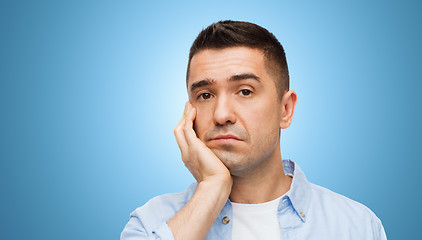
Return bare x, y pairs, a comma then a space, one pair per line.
306, 211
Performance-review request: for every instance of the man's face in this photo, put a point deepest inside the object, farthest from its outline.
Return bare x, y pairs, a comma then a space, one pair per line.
238, 110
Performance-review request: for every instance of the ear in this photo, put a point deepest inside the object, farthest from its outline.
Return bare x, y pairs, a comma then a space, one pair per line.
288, 104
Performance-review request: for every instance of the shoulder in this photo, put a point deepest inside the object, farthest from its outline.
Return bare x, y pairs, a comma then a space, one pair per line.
163, 207
337, 202
151, 218
339, 209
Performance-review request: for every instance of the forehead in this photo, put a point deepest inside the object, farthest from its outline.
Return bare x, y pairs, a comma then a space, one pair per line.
221, 64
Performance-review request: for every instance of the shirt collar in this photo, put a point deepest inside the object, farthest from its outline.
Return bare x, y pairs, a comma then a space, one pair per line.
300, 189
299, 194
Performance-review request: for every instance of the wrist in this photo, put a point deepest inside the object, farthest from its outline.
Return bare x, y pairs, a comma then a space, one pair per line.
221, 185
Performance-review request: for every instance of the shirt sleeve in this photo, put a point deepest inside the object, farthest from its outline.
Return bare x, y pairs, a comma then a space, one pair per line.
378, 229
382, 235
134, 230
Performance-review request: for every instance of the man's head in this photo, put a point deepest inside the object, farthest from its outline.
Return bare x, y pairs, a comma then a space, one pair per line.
237, 97
226, 34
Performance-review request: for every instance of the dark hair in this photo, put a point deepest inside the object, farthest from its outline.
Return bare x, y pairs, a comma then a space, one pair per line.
229, 33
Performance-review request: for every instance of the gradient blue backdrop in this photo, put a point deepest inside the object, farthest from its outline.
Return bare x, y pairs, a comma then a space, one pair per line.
91, 91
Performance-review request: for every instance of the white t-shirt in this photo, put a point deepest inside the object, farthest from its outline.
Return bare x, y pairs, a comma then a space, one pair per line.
256, 221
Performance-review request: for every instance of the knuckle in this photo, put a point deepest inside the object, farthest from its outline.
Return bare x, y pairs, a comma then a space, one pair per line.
185, 129
177, 129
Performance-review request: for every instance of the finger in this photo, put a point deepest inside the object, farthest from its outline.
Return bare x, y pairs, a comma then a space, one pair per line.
180, 135
190, 134
181, 140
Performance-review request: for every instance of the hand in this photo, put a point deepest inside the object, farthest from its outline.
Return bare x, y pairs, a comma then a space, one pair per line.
197, 157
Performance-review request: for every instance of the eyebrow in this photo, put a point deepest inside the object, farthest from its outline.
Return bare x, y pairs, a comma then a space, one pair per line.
234, 78
202, 83
244, 76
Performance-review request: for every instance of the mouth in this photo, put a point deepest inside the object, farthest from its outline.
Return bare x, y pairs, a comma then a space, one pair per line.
226, 138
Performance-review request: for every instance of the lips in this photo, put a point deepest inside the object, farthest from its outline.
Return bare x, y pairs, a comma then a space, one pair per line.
227, 137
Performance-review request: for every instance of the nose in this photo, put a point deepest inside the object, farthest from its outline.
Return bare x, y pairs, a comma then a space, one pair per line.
224, 112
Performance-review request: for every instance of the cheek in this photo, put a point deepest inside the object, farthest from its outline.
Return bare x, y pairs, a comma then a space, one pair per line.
263, 120
201, 122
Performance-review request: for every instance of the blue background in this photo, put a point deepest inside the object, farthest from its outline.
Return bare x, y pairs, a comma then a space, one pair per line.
90, 93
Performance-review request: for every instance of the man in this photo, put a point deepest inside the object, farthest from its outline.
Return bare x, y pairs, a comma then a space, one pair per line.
229, 137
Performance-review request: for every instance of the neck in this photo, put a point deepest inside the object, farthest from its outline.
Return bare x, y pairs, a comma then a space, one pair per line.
263, 184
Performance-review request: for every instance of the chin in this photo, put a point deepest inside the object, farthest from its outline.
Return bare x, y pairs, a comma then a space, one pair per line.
233, 161
227, 157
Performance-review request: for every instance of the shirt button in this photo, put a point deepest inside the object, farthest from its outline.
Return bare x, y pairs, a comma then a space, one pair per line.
302, 214
226, 220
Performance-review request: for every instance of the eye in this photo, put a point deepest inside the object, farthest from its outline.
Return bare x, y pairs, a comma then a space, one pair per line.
204, 96
245, 92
